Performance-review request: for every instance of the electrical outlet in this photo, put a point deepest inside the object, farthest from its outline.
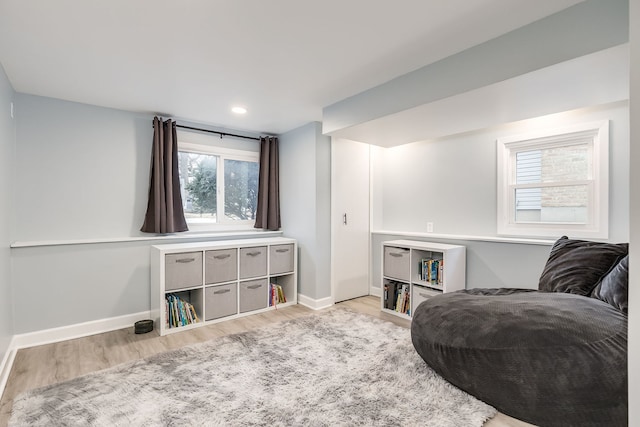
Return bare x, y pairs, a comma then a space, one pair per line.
429, 227
12, 110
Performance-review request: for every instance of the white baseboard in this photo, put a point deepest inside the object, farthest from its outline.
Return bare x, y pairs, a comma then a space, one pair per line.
376, 292
315, 304
63, 333
79, 330
7, 363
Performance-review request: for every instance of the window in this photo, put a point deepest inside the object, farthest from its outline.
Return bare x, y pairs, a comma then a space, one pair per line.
218, 185
554, 182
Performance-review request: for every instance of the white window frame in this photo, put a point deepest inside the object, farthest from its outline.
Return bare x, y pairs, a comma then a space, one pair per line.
597, 136
223, 153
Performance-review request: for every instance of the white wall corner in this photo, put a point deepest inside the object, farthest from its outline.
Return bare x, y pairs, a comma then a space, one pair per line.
315, 304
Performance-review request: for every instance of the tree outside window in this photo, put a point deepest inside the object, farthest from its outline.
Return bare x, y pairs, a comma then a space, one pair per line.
200, 174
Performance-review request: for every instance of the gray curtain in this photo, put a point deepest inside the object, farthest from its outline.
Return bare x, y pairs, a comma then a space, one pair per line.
164, 209
268, 211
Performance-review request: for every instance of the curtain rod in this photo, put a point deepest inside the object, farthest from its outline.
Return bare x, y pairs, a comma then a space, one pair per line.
222, 134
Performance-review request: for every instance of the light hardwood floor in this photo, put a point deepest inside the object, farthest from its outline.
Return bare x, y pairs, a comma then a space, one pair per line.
51, 363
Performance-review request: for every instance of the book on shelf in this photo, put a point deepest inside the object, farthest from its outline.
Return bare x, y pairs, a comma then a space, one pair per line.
431, 270
406, 296
167, 316
390, 295
385, 294
276, 295
397, 297
398, 302
179, 312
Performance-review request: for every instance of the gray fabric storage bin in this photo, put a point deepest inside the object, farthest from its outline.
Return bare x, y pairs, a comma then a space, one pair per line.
221, 301
421, 293
253, 295
183, 270
281, 259
253, 262
396, 263
221, 266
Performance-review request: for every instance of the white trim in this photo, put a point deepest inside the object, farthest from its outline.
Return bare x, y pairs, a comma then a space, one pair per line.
334, 179
332, 255
315, 304
156, 237
596, 136
376, 292
544, 242
63, 333
7, 364
222, 152
217, 142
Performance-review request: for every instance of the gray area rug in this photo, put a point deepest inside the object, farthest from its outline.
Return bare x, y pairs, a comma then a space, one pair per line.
332, 368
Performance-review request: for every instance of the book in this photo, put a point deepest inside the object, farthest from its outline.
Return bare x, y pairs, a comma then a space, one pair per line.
391, 296
431, 270
281, 296
179, 312
195, 315
276, 295
434, 271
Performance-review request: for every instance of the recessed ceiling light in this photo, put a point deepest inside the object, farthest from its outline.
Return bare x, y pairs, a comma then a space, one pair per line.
239, 110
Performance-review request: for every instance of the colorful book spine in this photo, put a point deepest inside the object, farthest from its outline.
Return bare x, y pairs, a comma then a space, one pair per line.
431, 271
179, 312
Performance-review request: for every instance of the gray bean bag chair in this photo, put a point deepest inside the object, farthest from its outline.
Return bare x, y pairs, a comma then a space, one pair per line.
552, 357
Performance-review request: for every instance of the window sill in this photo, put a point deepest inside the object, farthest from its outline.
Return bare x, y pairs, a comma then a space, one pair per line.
187, 236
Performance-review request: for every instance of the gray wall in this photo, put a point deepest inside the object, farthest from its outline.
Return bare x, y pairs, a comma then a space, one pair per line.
634, 265
7, 144
584, 28
305, 197
67, 285
82, 172
489, 264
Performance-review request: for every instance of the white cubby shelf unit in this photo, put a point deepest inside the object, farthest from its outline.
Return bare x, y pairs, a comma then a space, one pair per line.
413, 271
220, 280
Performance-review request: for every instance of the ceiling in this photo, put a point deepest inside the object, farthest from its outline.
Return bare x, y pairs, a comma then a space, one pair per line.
283, 59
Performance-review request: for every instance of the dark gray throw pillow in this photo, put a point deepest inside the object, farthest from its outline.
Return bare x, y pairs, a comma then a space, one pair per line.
614, 286
576, 266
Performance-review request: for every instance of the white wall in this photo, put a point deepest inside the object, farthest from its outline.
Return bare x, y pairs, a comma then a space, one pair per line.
634, 265
451, 181
305, 198
7, 144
